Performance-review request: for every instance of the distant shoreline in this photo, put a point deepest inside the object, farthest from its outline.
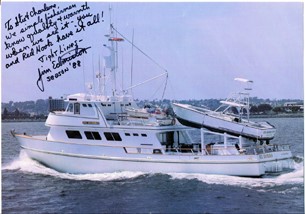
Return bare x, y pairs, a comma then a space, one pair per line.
22, 120
292, 115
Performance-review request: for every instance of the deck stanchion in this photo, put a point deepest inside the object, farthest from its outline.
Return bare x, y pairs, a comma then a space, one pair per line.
202, 140
225, 139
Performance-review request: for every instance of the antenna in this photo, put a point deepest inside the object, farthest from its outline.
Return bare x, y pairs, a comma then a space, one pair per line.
99, 75
131, 67
110, 18
84, 79
122, 70
93, 74
104, 78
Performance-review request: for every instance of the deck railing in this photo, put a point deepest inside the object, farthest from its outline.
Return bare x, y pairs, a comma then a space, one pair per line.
229, 150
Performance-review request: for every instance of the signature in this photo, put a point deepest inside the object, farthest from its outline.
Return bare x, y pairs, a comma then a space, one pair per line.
62, 60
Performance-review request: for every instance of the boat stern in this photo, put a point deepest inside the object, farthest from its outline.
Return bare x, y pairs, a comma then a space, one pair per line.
277, 161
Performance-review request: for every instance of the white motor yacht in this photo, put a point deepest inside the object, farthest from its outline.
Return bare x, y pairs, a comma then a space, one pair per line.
95, 135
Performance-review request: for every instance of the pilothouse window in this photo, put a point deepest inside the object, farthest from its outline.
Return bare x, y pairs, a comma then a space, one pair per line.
76, 108
70, 107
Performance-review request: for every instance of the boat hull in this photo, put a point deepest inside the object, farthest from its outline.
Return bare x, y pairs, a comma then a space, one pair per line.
210, 120
84, 159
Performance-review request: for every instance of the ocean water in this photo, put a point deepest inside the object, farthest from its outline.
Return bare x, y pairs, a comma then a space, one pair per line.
29, 187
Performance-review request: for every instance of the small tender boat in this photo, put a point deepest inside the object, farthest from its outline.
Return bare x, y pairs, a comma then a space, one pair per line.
226, 118
146, 112
153, 115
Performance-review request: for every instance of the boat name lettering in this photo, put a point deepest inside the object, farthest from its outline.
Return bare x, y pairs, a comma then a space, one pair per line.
91, 123
268, 155
269, 131
42, 35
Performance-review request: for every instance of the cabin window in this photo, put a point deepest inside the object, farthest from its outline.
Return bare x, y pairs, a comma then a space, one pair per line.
103, 104
112, 136
93, 135
73, 134
116, 136
70, 107
76, 108
96, 136
89, 135
135, 134
84, 105
144, 135
108, 136
127, 134
89, 105
109, 104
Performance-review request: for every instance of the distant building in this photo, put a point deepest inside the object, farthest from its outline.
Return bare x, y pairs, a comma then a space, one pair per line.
56, 104
293, 107
287, 104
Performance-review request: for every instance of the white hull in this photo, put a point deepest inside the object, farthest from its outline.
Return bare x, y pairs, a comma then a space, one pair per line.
83, 159
190, 116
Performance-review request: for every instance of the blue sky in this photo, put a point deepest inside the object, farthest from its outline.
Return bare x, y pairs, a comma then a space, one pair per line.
203, 46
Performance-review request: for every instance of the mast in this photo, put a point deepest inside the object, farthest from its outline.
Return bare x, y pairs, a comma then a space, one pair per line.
112, 60
99, 76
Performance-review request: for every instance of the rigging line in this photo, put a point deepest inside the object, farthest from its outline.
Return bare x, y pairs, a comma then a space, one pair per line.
172, 89
138, 49
165, 73
165, 86
157, 90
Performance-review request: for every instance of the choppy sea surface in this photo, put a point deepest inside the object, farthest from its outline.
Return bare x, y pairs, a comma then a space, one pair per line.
29, 187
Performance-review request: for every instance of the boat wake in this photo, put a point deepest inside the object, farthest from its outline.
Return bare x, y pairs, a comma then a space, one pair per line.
25, 164
267, 183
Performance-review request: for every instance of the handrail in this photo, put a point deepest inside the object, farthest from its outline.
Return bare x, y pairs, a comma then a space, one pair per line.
220, 151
